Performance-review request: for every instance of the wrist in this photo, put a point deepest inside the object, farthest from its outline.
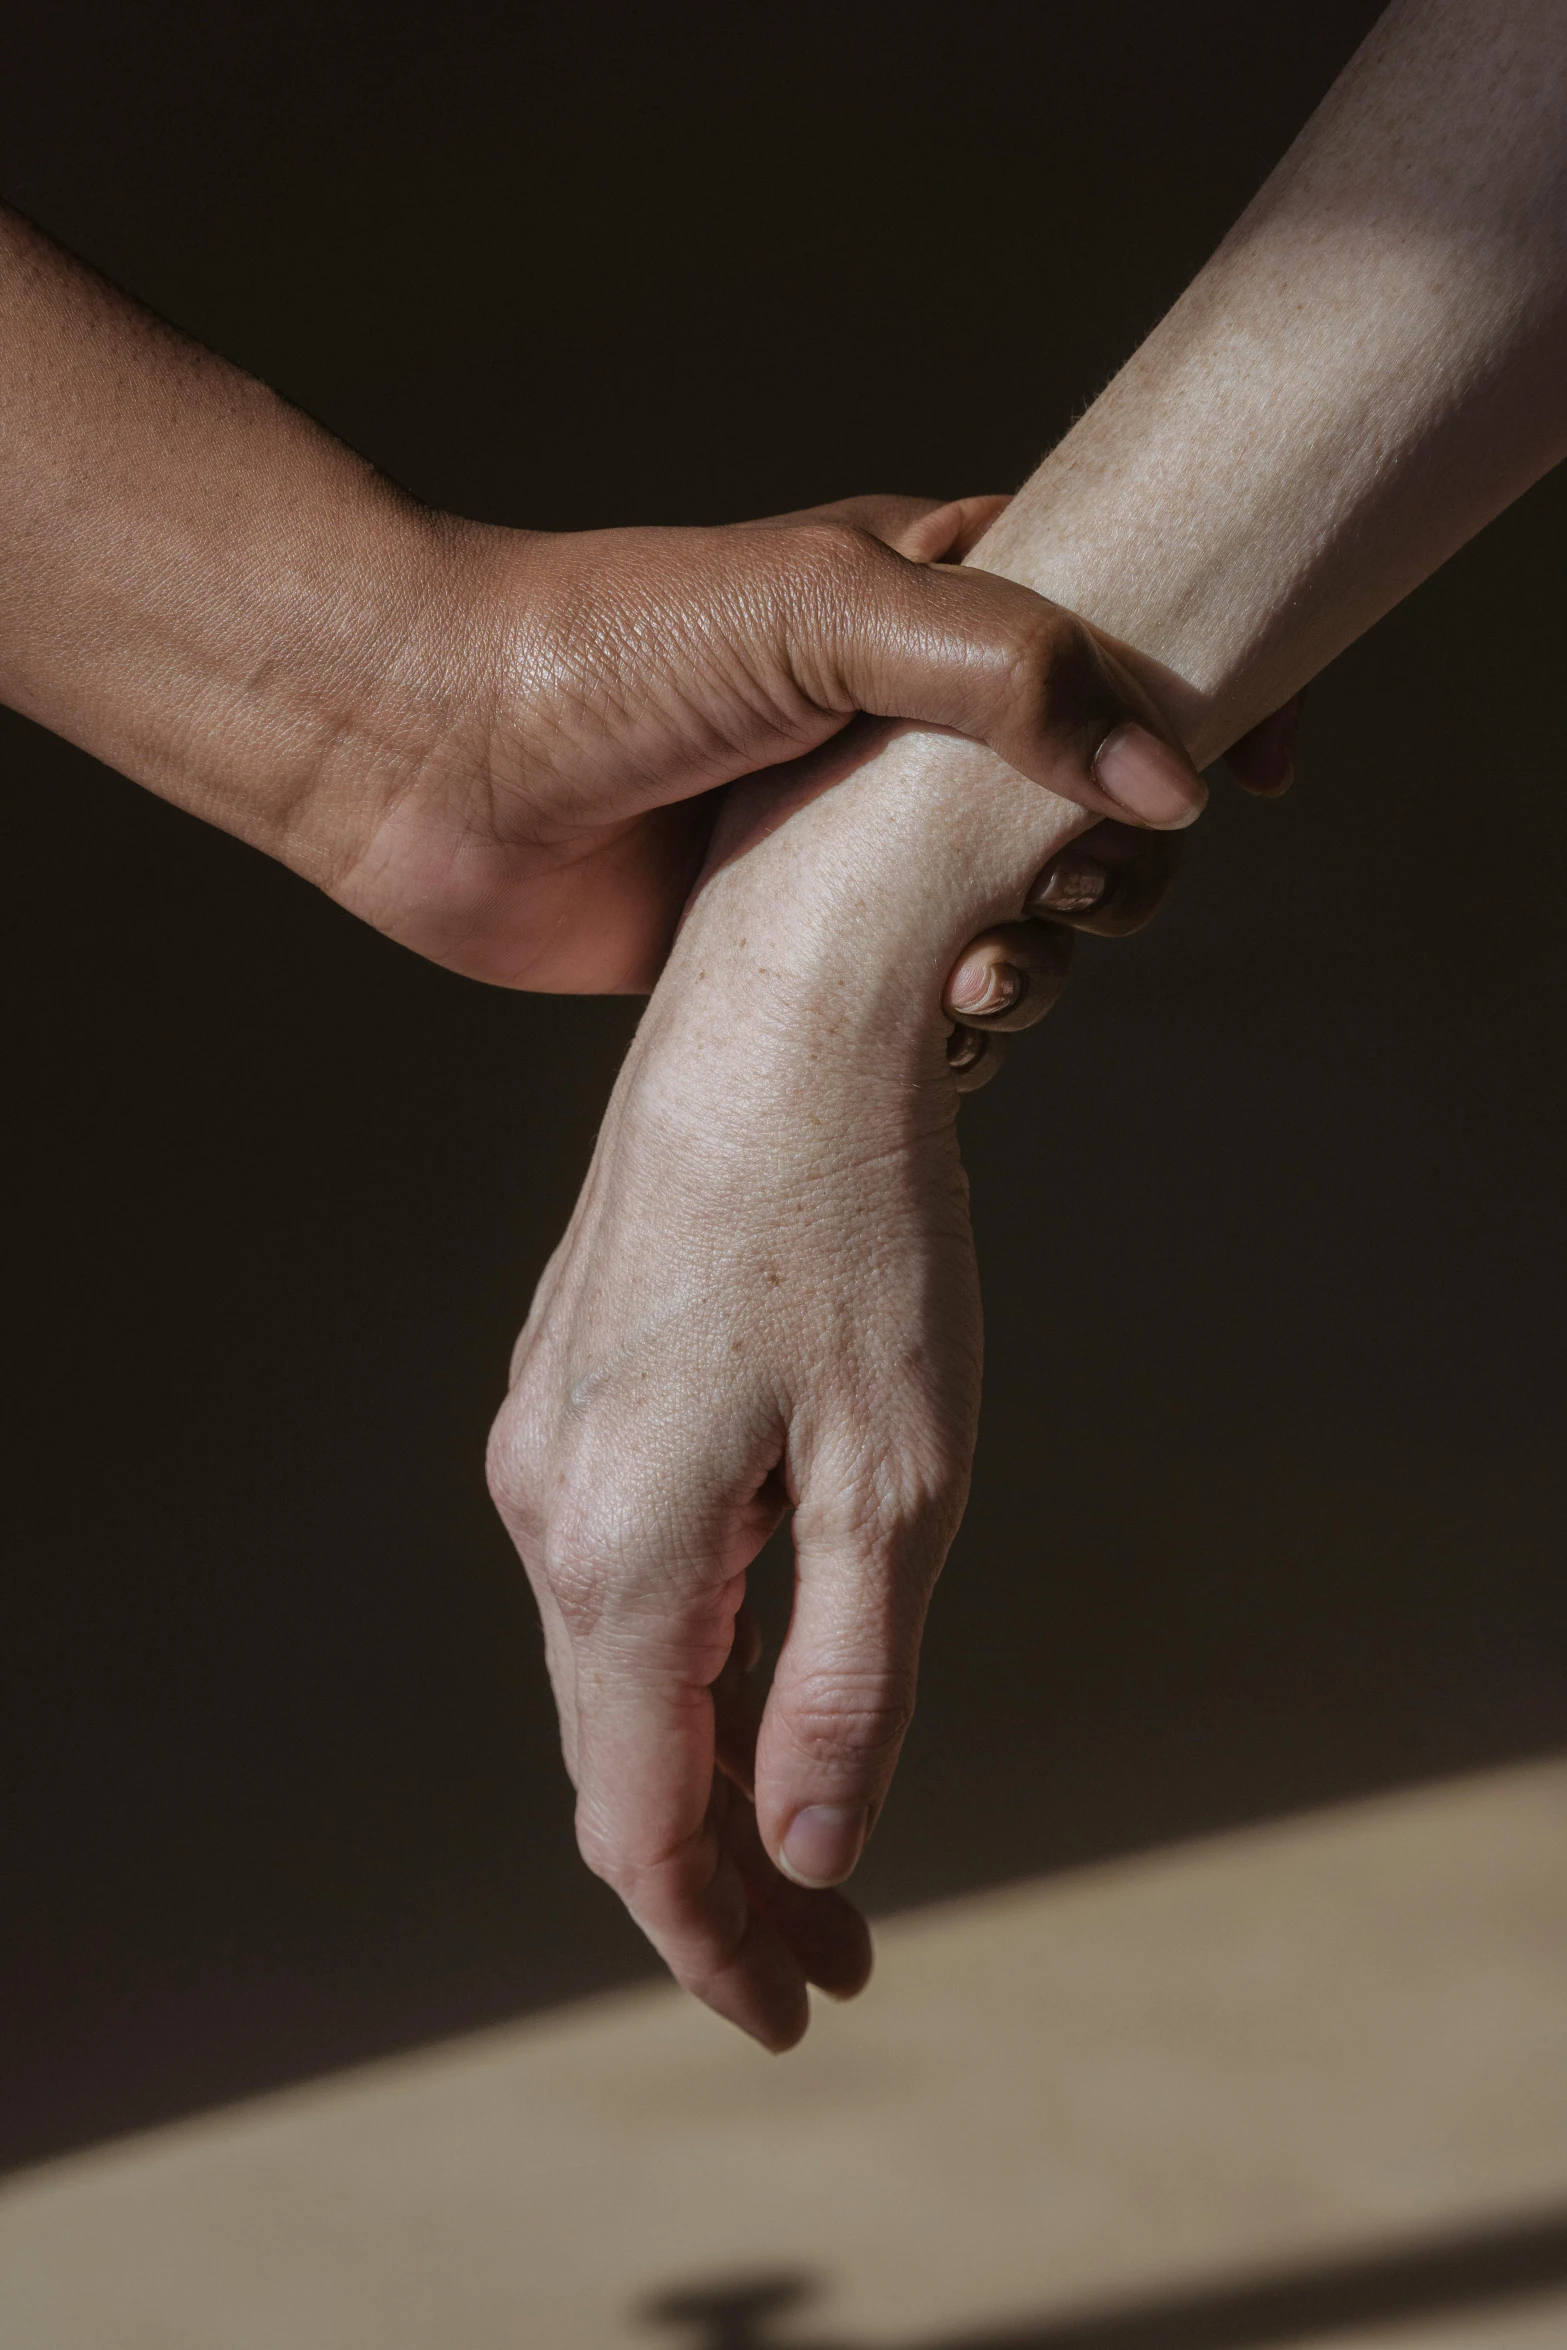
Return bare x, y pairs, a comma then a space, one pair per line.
796, 1039
205, 591
378, 698
848, 905
799, 1017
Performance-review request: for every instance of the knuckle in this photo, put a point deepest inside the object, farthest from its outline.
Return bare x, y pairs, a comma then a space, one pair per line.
585, 1509
600, 1546
523, 1436
513, 1469
865, 1712
1053, 652
612, 1848
1044, 644
910, 1498
688, 1897
617, 1561
909, 525
577, 1585
535, 1496
832, 556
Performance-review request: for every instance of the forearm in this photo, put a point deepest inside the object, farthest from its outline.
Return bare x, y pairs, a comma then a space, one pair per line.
497, 745
1371, 367
198, 584
768, 1289
1367, 371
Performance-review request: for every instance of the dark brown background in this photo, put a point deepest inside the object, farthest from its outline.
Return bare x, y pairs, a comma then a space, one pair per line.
1269, 1499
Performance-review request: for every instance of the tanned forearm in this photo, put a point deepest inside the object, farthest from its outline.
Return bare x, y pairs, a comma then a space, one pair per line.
497, 745
199, 585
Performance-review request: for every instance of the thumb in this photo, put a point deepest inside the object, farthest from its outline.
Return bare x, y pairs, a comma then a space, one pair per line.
843, 1693
982, 656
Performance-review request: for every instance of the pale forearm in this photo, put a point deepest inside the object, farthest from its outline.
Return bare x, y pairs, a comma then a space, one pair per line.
1370, 368
768, 1289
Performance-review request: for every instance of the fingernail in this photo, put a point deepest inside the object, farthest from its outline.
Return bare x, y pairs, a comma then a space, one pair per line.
1072, 885
824, 1842
1149, 780
965, 1046
985, 987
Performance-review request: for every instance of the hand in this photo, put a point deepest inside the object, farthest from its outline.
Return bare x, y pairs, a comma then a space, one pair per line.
766, 1298
505, 748
740, 1319
605, 685
1110, 881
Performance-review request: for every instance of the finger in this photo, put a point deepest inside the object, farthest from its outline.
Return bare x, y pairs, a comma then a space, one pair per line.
1109, 881
1263, 761
923, 530
649, 1819
823, 1932
1009, 977
984, 657
975, 516
974, 1056
946, 533
843, 1690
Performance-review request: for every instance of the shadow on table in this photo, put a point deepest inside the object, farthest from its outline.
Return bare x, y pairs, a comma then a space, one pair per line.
1476, 2268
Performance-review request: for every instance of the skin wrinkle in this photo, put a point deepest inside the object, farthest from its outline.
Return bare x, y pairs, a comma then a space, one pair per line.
588, 1384
1325, 415
488, 743
207, 519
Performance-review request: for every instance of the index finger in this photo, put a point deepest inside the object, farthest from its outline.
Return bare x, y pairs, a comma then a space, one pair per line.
650, 1817
923, 530
1110, 881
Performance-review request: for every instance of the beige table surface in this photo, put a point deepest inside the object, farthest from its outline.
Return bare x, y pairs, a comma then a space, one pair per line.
1304, 2084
